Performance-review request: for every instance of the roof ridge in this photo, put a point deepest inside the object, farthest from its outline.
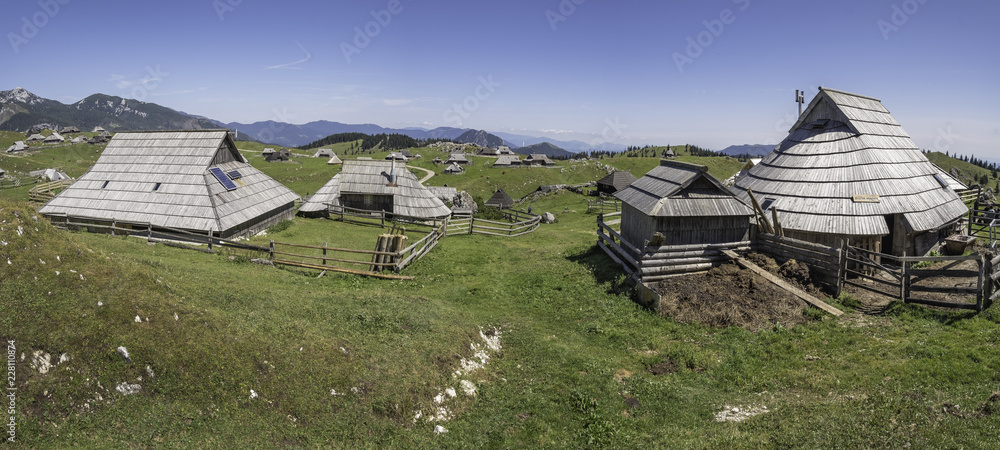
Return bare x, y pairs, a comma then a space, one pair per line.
821, 88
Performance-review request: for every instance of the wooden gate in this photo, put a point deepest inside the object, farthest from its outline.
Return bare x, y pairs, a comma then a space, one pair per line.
904, 278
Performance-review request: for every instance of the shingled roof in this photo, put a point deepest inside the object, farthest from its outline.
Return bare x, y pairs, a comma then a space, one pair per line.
165, 179
680, 189
616, 181
846, 165
410, 198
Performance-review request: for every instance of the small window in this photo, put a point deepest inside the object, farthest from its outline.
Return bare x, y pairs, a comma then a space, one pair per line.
767, 204
105, 184
156, 187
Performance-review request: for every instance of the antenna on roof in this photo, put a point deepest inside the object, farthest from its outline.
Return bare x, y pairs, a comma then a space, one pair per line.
800, 98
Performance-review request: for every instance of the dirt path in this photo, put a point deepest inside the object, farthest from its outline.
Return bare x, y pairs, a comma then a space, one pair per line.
430, 173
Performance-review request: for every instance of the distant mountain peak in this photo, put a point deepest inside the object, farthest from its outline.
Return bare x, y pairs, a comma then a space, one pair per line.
20, 95
481, 138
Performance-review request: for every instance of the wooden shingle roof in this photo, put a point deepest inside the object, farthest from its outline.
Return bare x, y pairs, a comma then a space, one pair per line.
847, 147
164, 179
410, 198
617, 180
500, 199
682, 189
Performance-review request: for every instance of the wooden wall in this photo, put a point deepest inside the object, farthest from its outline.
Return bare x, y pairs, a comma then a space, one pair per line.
368, 202
638, 228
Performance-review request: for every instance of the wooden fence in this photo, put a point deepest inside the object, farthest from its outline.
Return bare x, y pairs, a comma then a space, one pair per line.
170, 236
648, 264
826, 262
466, 224
16, 182
43, 193
602, 206
369, 263
379, 218
901, 277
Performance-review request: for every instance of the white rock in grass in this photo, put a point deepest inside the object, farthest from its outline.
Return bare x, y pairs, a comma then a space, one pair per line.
176, 318
468, 388
128, 389
99, 303
124, 352
253, 394
63, 358
439, 398
57, 273
438, 429
138, 319
40, 260
41, 361
451, 392
149, 371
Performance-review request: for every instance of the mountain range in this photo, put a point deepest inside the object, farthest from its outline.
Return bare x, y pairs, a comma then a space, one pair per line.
21, 110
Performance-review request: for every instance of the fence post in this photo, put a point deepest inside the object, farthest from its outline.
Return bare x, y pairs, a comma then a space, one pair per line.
979, 288
149, 232
113, 222
988, 275
904, 280
324, 253
270, 251
209, 239
472, 224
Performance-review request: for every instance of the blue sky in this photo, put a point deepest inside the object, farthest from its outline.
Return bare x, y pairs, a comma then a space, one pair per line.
623, 71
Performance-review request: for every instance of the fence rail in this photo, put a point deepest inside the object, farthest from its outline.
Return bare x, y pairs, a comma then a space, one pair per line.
173, 236
604, 206
466, 224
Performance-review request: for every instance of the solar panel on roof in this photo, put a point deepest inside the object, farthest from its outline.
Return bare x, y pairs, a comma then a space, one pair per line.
223, 178
235, 174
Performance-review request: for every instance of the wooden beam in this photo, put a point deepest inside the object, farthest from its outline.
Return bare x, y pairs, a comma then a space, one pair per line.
782, 284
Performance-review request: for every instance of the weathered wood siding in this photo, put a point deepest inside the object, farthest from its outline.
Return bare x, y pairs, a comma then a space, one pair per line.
639, 228
370, 202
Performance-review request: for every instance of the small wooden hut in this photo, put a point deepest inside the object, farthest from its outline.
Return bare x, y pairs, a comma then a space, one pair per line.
848, 170
615, 182
458, 158
507, 161
500, 200
684, 203
195, 181
376, 186
454, 169
323, 153
334, 160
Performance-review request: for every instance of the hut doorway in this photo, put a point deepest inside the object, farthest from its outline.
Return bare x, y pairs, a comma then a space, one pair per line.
887, 247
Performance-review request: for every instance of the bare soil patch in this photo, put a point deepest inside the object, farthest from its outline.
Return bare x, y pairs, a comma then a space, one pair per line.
731, 296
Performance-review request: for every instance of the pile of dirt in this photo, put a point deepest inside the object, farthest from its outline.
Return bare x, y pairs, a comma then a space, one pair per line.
728, 296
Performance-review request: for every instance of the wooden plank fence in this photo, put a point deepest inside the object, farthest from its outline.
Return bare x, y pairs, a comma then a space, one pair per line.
467, 224
369, 262
174, 236
603, 206
16, 182
825, 261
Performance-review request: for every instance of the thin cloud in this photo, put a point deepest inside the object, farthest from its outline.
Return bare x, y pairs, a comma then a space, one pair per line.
293, 63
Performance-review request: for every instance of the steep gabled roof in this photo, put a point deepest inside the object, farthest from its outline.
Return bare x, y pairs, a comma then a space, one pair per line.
334, 160
500, 199
682, 189
323, 153
617, 180
845, 165
457, 158
410, 198
165, 179
507, 160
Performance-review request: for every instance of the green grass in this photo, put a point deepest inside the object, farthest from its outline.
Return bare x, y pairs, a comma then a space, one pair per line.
574, 352
573, 370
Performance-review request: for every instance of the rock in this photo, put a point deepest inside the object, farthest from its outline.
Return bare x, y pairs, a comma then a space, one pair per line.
128, 389
464, 201
262, 261
548, 218
124, 352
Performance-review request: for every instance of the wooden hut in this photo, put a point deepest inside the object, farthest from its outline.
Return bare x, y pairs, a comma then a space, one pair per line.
538, 160
376, 186
280, 155
18, 146
35, 138
454, 169
323, 153
684, 203
54, 138
507, 161
70, 130
615, 182
396, 156
848, 170
458, 158
500, 200
334, 160
195, 181
267, 151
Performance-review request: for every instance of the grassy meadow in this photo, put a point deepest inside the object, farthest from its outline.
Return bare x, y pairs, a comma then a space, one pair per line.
228, 353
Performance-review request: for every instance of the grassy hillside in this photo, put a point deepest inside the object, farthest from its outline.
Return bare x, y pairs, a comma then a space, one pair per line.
969, 174
346, 361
